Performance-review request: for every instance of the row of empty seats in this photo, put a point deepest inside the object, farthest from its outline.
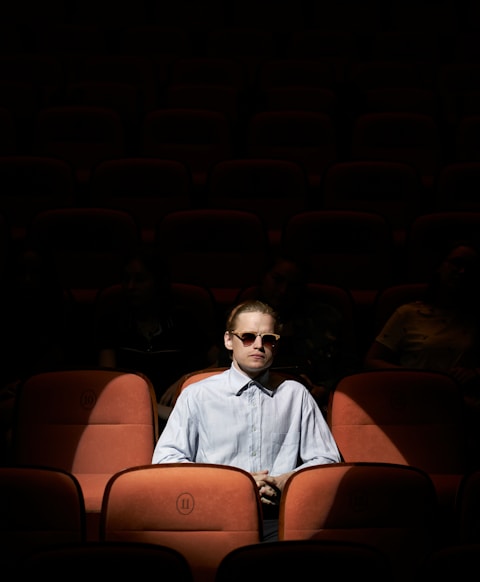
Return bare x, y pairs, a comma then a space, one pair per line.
133, 84
225, 249
378, 515
404, 487
84, 135
150, 187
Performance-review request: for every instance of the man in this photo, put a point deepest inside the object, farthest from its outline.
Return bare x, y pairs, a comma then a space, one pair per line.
248, 417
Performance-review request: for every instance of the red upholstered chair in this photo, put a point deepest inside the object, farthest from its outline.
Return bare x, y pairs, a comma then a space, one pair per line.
39, 506
91, 423
146, 188
308, 138
125, 98
274, 189
403, 416
87, 245
198, 138
219, 248
195, 376
411, 138
184, 506
30, 184
407, 416
361, 242
387, 506
82, 135
392, 189
198, 375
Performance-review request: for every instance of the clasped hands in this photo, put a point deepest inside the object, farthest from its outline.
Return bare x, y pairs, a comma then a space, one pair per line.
269, 487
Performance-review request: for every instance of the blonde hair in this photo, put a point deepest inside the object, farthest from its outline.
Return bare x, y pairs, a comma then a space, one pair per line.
250, 306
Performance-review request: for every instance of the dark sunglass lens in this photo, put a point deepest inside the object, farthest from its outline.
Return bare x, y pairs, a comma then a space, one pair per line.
269, 340
248, 339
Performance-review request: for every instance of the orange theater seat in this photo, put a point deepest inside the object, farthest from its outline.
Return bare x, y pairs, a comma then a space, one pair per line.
387, 506
39, 506
89, 422
184, 506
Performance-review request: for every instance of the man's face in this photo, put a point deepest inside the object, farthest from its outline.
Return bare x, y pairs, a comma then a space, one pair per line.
459, 267
258, 356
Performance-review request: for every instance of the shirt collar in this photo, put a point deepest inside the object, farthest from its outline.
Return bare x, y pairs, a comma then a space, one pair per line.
262, 381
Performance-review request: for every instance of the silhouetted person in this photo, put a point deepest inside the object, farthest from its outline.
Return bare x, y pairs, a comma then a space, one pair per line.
146, 330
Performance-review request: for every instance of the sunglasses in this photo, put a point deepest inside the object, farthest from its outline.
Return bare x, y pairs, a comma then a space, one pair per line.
269, 340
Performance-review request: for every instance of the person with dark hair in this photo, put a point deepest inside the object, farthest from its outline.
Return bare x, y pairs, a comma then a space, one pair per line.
441, 332
146, 330
249, 416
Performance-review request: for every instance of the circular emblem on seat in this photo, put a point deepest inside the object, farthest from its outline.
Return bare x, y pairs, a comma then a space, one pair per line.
88, 399
185, 503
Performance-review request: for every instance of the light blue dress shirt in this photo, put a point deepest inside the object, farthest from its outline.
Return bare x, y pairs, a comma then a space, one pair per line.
230, 419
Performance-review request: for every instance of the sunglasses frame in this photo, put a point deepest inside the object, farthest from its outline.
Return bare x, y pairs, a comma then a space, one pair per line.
261, 335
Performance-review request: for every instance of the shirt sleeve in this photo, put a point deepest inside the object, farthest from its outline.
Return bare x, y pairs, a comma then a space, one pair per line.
318, 447
178, 441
